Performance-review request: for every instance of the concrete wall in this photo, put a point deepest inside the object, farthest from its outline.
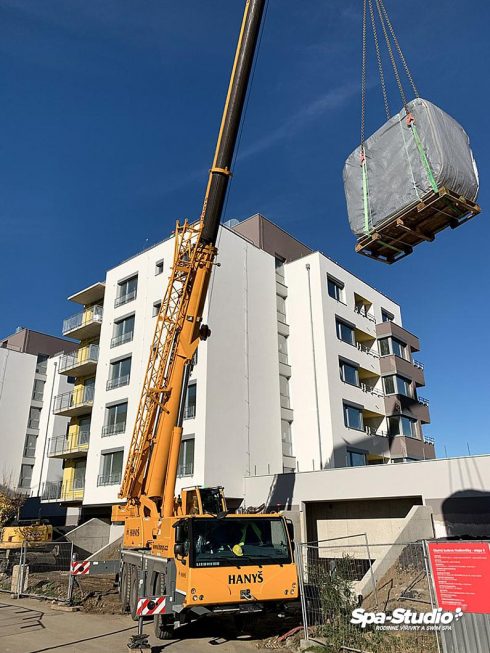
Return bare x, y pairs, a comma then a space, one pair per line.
16, 381
90, 536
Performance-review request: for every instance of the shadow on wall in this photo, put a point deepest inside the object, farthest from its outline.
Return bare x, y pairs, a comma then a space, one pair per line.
466, 514
281, 492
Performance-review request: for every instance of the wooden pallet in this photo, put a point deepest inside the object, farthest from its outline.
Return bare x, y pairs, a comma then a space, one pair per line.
395, 238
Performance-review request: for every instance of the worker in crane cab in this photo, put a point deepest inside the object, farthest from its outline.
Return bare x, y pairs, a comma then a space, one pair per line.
250, 534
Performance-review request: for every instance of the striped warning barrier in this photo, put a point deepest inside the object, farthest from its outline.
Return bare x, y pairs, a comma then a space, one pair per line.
80, 568
150, 606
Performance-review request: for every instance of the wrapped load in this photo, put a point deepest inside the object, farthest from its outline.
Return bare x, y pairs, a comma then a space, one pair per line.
408, 159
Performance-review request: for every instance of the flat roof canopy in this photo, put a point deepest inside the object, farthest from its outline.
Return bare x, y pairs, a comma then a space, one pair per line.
89, 295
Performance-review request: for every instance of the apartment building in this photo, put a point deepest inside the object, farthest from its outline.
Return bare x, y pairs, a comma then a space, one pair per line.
28, 380
307, 367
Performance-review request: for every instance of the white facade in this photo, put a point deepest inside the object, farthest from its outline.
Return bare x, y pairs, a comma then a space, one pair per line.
268, 393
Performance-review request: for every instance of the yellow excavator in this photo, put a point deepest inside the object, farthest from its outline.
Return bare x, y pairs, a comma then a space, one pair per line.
186, 557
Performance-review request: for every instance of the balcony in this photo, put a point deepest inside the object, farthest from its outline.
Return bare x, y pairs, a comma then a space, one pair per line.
109, 479
392, 364
63, 491
121, 339
406, 447
85, 324
417, 408
81, 362
77, 402
185, 470
74, 445
385, 329
117, 382
190, 411
113, 429
125, 299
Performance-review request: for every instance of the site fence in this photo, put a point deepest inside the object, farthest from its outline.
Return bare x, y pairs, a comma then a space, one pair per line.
38, 570
338, 576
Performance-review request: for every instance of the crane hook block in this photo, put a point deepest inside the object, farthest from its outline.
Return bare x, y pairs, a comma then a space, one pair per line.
204, 332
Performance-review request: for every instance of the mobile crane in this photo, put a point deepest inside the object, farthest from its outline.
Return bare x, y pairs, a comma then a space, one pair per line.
185, 557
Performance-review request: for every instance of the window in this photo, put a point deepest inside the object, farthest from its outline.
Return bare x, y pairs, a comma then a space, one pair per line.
79, 475
349, 373
355, 458
284, 391
393, 346
119, 374
111, 468
126, 291
283, 348
186, 458
279, 268
353, 418
386, 316
401, 425
190, 402
156, 308
30, 446
397, 385
159, 267
38, 390
123, 331
84, 429
335, 289
42, 363
281, 309
34, 417
25, 476
287, 439
115, 419
345, 332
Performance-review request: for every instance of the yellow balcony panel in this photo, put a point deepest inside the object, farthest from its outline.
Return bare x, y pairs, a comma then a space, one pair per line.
77, 402
85, 324
72, 491
81, 362
75, 445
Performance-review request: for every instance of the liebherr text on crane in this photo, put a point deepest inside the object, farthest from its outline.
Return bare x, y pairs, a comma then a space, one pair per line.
187, 556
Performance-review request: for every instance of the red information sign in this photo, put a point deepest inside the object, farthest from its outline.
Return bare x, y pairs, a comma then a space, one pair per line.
461, 572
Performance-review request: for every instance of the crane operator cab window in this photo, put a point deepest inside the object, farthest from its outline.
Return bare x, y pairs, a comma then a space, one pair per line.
238, 541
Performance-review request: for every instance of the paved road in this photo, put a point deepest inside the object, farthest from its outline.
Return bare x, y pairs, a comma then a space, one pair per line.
30, 626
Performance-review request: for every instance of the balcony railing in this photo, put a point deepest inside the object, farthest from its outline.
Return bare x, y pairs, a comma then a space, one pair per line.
109, 479
370, 430
117, 382
367, 350
418, 364
78, 397
89, 354
51, 491
121, 339
423, 401
113, 429
190, 411
69, 444
360, 310
429, 440
63, 491
185, 470
124, 299
365, 387
86, 317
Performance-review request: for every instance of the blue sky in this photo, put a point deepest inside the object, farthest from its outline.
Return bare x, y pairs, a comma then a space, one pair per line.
108, 116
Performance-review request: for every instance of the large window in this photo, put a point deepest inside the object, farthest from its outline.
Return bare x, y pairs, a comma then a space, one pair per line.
349, 373
287, 438
355, 458
186, 458
402, 425
397, 385
126, 291
281, 309
191, 402
30, 446
111, 468
345, 332
284, 391
123, 331
38, 390
25, 476
283, 348
335, 289
42, 363
34, 417
119, 374
353, 417
115, 419
390, 345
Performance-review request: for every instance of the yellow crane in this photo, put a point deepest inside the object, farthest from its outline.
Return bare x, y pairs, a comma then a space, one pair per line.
185, 557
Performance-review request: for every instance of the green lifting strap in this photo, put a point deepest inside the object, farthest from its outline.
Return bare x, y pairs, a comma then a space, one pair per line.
424, 159
365, 196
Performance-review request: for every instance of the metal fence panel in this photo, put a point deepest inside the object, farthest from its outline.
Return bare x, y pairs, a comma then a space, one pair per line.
340, 575
46, 569
468, 635
9, 566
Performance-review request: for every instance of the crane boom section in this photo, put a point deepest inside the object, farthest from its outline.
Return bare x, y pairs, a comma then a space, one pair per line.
179, 328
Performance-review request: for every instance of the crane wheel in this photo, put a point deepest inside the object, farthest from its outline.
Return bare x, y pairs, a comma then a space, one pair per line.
133, 592
125, 586
162, 623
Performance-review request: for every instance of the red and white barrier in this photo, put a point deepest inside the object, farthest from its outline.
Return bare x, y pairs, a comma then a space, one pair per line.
80, 568
150, 606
